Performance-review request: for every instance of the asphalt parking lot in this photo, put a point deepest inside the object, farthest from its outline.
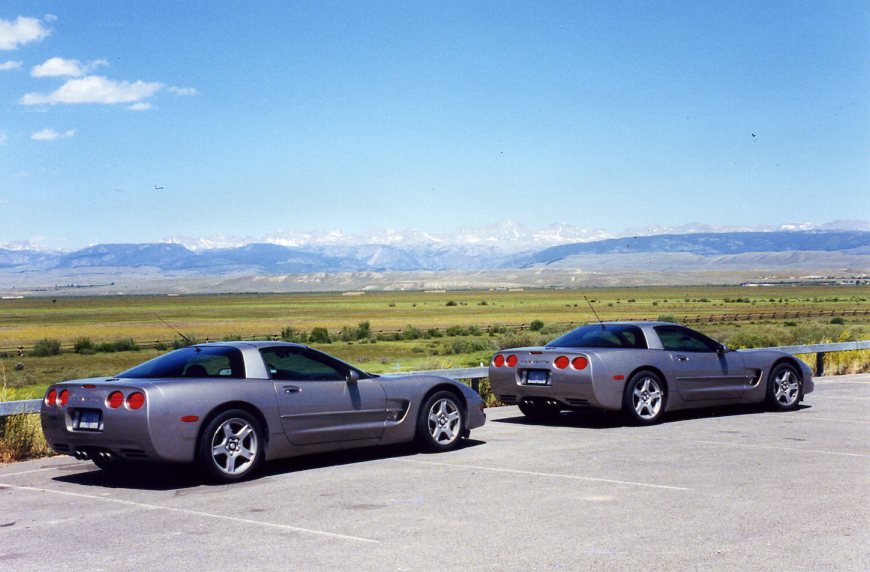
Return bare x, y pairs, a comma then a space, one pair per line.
714, 489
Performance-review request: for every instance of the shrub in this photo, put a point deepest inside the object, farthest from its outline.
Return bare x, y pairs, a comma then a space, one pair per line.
455, 331
46, 347
838, 320
412, 333
363, 330
84, 346
536, 325
21, 438
450, 303
319, 336
667, 318
184, 342
291, 334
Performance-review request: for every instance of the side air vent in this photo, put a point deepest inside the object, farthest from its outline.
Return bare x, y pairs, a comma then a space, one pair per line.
577, 402
133, 453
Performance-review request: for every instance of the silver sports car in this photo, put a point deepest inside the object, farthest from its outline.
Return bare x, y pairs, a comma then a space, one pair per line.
230, 406
644, 369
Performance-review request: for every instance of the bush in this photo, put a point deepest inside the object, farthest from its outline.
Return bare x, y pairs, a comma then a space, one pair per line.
412, 333
536, 325
291, 334
455, 331
319, 336
184, 342
46, 347
838, 320
21, 438
451, 303
84, 346
667, 318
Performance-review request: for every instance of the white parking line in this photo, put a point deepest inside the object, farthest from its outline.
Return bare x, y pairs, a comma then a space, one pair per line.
837, 420
539, 474
3, 476
791, 449
194, 513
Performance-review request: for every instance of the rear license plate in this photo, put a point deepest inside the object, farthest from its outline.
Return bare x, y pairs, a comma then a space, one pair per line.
89, 420
537, 377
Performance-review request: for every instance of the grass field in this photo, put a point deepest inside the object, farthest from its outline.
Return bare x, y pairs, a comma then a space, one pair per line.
438, 330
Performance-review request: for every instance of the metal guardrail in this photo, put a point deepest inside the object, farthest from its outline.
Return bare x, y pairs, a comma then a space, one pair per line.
475, 374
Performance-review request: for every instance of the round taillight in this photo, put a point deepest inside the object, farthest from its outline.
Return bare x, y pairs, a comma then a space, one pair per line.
115, 399
511, 360
51, 398
579, 362
498, 360
63, 398
135, 400
561, 362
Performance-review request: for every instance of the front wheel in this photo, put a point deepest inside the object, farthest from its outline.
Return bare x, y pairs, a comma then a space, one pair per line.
784, 388
644, 398
231, 446
441, 422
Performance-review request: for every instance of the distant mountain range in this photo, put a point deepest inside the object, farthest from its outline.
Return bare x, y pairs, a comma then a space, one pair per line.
511, 246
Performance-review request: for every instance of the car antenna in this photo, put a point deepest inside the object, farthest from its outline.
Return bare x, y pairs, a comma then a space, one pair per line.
594, 312
185, 338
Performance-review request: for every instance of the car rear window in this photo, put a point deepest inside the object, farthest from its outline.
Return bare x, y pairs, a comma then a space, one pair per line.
598, 336
195, 361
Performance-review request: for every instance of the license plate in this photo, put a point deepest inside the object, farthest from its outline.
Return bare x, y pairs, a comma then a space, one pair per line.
537, 377
89, 420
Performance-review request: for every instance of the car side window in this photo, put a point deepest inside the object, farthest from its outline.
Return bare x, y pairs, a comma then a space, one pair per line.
297, 364
678, 339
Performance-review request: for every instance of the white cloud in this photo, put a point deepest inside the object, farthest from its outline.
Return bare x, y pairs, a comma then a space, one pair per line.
183, 90
95, 89
10, 65
48, 134
3, 138
15, 33
59, 67
141, 106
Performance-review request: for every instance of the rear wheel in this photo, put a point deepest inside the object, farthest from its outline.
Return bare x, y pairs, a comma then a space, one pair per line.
231, 446
441, 422
784, 388
644, 398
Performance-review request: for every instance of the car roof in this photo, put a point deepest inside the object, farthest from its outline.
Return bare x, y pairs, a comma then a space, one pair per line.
252, 344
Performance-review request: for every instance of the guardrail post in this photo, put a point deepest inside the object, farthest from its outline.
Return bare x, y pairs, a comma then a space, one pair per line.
820, 364
475, 384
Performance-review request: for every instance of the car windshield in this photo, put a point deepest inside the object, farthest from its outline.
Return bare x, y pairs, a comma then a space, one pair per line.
602, 336
195, 361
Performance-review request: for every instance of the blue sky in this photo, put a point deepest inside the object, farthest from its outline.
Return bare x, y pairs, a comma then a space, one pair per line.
264, 117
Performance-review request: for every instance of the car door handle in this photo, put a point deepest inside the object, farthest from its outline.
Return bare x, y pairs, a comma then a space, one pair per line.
292, 389
682, 358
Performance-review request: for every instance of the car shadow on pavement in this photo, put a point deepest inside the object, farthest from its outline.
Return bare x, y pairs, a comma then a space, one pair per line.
600, 419
169, 476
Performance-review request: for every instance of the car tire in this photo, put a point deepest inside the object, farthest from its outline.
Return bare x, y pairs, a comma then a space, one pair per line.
441, 422
644, 398
784, 388
231, 447
538, 410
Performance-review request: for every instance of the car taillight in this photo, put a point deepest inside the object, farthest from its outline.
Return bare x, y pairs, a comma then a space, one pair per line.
115, 399
511, 360
498, 360
561, 362
63, 398
579, 362
135, 400
51, 398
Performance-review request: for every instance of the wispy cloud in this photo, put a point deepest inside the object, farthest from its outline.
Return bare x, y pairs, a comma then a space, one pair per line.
141, 106
183, 90
48, 134
10, 65
95, 89
22, 30
59, 67
3, 138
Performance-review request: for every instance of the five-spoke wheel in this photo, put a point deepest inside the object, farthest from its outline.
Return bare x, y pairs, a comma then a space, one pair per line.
441, 424
231, 446
784, 388
644, 398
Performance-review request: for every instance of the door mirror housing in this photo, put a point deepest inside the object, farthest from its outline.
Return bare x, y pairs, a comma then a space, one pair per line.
352, 376
722, 349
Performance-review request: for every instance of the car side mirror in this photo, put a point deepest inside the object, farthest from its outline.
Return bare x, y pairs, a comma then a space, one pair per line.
352, 377
722, 349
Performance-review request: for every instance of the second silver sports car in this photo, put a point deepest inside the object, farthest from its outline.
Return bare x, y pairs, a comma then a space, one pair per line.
230, 406
644, 369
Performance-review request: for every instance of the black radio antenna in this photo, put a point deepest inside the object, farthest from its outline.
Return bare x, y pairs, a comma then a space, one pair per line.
594, 312
185, 338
